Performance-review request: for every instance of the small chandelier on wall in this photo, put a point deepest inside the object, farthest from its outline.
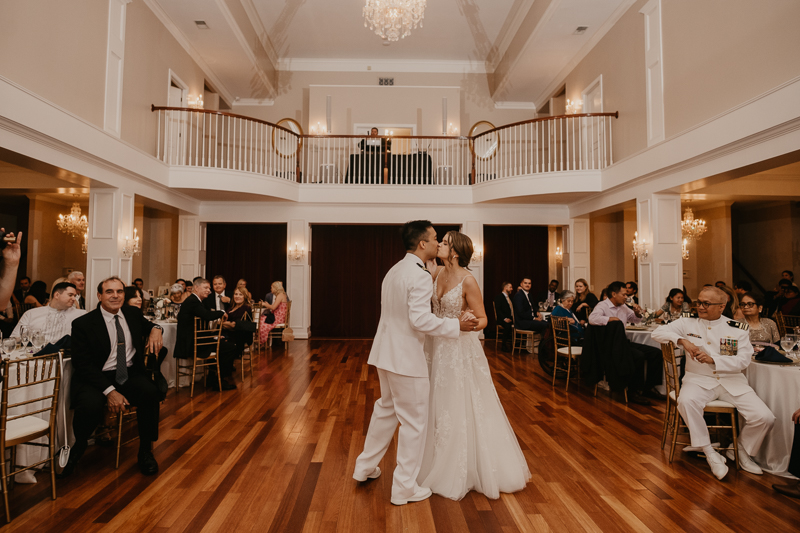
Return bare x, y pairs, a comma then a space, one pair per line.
73, 224
692, 228
393, 19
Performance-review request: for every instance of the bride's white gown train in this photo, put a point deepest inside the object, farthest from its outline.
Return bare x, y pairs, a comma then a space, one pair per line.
470, 444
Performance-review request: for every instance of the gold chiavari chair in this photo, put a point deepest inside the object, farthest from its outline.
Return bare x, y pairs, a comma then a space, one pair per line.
250, 352
29, 408
500, 328
256, 345
564, 349
781, 323
672, 418
786, 323
521, 339
277, 331
207, 336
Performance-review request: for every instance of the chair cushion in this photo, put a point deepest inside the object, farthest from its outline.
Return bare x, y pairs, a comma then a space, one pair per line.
576, 350
27, 425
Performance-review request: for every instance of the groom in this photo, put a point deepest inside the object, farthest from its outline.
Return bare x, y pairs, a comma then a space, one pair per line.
403, 372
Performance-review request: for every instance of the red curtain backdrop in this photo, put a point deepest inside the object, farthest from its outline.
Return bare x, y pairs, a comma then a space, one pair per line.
348, 263
510, 254
255, 252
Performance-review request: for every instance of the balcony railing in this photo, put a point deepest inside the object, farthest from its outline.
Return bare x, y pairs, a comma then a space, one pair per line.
214, 139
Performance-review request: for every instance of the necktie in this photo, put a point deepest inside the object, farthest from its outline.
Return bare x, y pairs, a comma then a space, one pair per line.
122, 360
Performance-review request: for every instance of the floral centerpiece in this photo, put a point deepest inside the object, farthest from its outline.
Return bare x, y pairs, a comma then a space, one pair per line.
648, 316
162, 307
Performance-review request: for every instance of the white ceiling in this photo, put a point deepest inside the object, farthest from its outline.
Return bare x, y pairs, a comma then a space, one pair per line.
248, 40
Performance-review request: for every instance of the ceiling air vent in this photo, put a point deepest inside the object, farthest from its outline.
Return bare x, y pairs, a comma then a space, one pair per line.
201, 24
580, 30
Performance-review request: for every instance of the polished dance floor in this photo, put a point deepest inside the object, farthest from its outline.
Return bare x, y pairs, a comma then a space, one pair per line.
278, 454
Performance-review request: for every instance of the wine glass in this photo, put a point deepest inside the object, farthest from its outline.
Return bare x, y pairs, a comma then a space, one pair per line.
787, 343
24, 335
38, 340
9, 345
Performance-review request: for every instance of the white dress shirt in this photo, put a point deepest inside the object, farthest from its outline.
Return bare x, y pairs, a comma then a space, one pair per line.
130, 351
54, 323
219, 296
606, 309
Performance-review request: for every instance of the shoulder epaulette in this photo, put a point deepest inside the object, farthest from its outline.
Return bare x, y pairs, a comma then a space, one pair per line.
688, 314
423, 268
736, 324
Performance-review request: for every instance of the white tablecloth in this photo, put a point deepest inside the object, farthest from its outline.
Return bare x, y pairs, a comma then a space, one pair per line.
779, 387
644, 336
169, 368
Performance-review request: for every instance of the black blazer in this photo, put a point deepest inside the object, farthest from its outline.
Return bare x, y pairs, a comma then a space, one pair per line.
210, 302
192, 307
82, 302
522, 307
503, 309
91, 347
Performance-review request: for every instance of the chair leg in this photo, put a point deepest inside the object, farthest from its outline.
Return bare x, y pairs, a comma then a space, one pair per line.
53, 463
626, 394
569, 367
734, 429
219, 375
676, 426
5, 484
119, 436
595, 389
194, 376
666, 423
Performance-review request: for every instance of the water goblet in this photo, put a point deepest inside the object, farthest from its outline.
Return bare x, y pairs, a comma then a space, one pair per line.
9, 345
24, 335
38, 340
787, 343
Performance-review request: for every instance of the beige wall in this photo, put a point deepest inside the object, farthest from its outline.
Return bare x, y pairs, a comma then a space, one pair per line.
159, 263
714, 250
58, 51
721, 53
51, 252
608, 250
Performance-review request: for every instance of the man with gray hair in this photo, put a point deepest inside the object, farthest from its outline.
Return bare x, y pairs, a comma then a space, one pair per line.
718, 351
78, 279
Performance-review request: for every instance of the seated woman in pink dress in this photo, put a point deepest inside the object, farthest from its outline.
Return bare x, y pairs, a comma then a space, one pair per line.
278, 307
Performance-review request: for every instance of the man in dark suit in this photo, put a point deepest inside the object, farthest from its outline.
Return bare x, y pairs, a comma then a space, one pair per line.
523, 310
220, 298
549, 295
505, 314
108, 346
184, 344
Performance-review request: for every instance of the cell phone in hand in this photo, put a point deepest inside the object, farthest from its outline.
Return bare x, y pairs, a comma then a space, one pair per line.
7, 237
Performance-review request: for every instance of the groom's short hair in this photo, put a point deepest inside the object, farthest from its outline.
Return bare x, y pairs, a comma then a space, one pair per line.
413, 232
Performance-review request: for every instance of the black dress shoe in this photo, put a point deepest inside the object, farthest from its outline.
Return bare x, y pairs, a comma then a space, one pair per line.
654, 394
226, 385
147, 463
68, 469
639, 400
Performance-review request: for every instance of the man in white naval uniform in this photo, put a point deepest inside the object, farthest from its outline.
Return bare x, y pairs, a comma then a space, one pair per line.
718, 351
397, 352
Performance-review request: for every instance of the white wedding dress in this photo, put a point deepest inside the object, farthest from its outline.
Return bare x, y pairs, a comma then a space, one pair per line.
470, 444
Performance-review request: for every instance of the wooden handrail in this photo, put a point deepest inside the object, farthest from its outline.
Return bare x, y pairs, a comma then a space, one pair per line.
324, 136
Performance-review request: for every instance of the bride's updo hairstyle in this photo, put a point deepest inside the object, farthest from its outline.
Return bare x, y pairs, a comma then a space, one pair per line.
462, 245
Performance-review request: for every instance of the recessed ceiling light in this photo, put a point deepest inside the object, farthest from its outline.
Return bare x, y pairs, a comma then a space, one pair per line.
201, 24
580, 30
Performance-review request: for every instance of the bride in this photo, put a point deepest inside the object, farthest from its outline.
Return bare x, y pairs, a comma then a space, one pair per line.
470, 444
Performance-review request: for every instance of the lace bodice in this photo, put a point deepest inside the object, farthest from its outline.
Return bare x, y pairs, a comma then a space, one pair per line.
450, 304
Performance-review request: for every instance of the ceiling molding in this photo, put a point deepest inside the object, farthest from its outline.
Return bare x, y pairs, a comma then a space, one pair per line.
509, 31
301, 64
558, 81
255, 20
515, 105
253, 102
159, 12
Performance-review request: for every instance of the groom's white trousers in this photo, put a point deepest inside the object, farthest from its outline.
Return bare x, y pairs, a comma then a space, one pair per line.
403, 399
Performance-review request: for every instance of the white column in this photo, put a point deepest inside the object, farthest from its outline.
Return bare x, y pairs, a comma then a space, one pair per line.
658, 222
298, 277
577, 257
191, 248
110, 221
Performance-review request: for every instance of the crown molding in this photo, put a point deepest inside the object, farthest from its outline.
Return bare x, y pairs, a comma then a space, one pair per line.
515, 105
173, 29
302, 64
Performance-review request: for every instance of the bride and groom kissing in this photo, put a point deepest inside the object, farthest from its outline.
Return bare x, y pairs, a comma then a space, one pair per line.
435, 380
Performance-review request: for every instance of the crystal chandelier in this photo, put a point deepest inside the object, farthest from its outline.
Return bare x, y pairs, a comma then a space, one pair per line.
73, 224
393, 19
692, 228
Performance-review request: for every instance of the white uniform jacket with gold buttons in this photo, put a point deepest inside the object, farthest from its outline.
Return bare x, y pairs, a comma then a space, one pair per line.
406, 318
727, 370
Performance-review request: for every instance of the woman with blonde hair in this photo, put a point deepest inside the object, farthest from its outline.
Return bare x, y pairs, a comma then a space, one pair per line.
470, 443
584, 301
732, 309
278, 308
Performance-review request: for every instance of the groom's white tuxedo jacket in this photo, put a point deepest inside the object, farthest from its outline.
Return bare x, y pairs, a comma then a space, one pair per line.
406, 318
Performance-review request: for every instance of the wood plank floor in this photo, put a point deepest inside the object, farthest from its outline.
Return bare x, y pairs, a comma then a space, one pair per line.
278, 454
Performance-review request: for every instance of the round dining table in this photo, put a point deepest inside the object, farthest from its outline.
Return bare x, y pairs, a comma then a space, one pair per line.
778, 385
169, 367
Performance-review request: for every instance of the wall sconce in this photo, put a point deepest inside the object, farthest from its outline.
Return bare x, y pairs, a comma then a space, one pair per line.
85, 245
195, 102
639, 247
574, 106
477, 255
317, 130
132, 245
297, 253
559, 255
451, 130
685, 249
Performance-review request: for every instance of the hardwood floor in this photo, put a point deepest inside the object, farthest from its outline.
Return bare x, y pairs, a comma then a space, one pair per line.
278, 454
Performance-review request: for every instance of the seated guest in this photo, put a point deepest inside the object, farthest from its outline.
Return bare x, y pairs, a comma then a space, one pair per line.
523, 310
563, 309
584, 301
613, 309
193, 308
720, 284
79, 280
633, 292
139, 284
788, 305
241, 283
22, 290
177, 294
788, 274
732, 310
792, 488
182, 282
773, 299
761, 329
674, 307
37, 296
133, 297
549, 295
108, 372
718, 351
219, 299
55, 319
240, 311
741, 287
278, 308
505, 315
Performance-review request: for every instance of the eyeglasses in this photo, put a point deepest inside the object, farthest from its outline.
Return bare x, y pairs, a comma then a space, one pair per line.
706, 305
748, 305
